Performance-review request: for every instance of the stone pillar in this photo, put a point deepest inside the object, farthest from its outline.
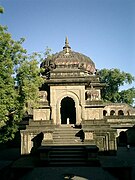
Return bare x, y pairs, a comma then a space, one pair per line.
24, 143
78, 114
112, 142
83, 113
30, 142
53, 114
53, 96
107, 141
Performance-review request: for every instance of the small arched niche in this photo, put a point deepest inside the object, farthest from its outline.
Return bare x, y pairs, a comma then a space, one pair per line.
104, 113
120, 113
112, 113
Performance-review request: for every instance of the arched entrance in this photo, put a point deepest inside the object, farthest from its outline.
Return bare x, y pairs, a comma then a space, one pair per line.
122, 139
68, 111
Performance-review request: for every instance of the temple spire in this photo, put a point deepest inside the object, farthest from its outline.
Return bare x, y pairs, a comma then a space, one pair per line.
66, 41
66, 47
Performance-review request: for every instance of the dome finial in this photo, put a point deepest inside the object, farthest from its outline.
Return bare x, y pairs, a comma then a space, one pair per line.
66, 41
67, 47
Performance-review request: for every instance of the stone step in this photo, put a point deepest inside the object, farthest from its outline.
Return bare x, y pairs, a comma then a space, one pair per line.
68, 142
65, 136
65, 163
65, 139
67, 159
65, 132
67, 155
64, 152
67, 129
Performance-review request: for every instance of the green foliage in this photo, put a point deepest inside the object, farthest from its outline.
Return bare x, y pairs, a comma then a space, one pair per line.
1, 10
19, 83
28, 81
47, 52
114, 79
11, 53
127, 96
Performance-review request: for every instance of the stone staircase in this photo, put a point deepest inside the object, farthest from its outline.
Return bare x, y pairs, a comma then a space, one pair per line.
69, 155
67, 148
67, 135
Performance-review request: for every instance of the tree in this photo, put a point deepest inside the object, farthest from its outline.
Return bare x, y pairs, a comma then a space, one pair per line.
127, 96
28, 81
19, 82
1, 10
10, 53
114, 79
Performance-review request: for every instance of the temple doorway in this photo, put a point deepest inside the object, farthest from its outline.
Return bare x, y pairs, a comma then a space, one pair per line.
68, 111
122, 139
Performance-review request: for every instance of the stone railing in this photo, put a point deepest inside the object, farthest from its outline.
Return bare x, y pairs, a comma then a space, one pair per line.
120, 117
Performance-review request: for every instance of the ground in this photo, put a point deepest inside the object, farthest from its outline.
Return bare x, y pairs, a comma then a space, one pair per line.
123, 167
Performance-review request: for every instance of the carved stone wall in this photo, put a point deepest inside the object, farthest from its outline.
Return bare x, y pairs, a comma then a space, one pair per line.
41, 114
93, 113
42, 96
30, 139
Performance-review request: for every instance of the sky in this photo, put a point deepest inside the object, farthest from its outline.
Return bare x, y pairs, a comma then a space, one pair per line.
103, 30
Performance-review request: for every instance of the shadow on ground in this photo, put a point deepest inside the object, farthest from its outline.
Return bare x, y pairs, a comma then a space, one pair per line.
114, 167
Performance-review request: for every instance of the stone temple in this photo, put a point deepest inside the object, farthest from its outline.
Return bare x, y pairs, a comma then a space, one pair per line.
71, 110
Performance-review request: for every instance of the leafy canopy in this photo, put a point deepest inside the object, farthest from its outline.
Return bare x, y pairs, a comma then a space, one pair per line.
114, 79
1, 10
19, 82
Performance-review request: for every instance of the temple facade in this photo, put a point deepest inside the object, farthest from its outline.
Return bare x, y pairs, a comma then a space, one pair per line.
71, 109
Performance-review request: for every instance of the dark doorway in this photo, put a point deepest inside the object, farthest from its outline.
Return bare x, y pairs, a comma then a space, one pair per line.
122, 140
68, 111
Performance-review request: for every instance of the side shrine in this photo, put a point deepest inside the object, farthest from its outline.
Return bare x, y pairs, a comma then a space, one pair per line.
71, 110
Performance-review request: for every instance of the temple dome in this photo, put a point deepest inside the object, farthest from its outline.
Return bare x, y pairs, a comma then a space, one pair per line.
70, 60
